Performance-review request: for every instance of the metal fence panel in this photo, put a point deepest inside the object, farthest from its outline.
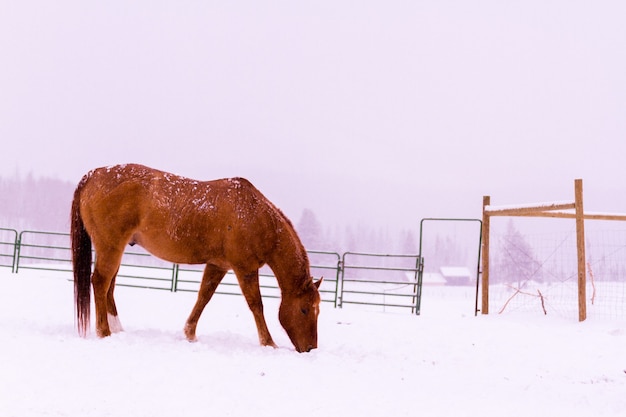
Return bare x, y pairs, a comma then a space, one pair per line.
139, 269
51, 251
43, 250
389, 281
8, 248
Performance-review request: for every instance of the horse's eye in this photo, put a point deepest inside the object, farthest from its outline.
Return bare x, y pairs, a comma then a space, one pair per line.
304, 311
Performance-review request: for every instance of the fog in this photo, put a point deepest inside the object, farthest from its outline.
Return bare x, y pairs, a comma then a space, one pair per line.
374, 112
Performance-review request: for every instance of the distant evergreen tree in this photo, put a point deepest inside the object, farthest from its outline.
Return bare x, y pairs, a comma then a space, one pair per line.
408, 243
350, 240
517, 262
445, 252
310, 231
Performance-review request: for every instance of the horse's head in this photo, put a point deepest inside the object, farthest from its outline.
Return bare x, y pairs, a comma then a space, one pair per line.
298, 316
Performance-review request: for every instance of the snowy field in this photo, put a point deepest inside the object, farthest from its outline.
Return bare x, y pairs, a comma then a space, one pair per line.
445, 362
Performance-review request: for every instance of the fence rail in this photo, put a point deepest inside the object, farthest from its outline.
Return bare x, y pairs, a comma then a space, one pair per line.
386, 281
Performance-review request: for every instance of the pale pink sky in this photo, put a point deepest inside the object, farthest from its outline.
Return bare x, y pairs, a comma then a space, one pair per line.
388, 110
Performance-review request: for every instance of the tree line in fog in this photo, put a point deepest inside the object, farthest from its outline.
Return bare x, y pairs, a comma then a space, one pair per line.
43, 204
32, 203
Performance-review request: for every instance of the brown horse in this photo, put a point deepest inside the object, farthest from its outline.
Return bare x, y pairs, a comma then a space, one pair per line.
225, 224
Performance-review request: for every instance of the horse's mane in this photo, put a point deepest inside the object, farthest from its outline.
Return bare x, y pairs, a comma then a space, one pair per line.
303, 260
292, 231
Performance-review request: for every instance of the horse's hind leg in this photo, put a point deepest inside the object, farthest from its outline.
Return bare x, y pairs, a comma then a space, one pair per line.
249, 283
103, 281
112, 318
211, 278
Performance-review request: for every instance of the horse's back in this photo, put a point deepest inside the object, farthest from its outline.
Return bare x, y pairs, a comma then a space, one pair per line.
112, 197
180, 219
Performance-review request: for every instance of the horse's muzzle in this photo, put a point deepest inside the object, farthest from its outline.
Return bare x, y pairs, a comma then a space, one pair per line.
307, 349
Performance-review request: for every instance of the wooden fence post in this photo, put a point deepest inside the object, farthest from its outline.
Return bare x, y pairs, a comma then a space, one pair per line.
580, 249
485, 275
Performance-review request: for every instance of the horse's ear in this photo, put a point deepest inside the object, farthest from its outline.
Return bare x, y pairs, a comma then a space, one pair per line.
318, 283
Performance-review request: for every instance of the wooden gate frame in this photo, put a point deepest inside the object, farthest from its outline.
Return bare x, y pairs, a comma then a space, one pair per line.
563, 210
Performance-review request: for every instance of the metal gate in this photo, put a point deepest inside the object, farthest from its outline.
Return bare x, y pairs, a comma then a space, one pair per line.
389, 281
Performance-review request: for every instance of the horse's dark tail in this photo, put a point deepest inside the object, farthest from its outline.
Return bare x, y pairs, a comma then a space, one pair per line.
81, 261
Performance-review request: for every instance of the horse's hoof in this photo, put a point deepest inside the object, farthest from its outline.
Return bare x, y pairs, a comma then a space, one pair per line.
114, 323
103, 333
190, 334
269, 343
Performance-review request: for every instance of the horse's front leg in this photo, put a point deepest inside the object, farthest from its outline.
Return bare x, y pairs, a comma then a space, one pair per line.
249, 283
211, 278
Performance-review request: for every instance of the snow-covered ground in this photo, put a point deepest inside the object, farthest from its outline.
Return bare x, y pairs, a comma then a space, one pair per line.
445, 362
